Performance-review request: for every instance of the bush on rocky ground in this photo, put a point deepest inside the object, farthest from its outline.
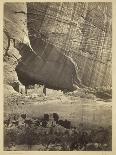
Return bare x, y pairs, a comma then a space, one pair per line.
56, 136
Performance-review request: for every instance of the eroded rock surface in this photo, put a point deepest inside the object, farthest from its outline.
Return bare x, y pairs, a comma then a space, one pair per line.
44, 64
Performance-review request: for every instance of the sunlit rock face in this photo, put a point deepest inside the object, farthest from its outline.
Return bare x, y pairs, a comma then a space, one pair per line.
15, 31
15, 21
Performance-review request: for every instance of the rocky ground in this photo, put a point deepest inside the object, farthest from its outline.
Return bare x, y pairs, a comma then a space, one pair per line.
88, 117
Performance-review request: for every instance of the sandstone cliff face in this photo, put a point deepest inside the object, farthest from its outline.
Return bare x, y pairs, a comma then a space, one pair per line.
44, 35
81, 31
15, 21
43, 65
15, 31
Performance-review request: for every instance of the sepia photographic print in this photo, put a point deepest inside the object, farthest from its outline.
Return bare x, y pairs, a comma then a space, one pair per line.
57, 76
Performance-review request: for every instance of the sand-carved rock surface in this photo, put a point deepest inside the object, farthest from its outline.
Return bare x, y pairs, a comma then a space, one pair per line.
43, 45
15, 31
44, 64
